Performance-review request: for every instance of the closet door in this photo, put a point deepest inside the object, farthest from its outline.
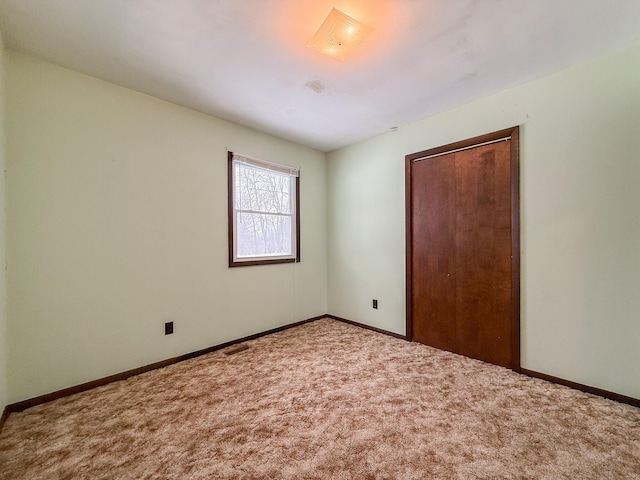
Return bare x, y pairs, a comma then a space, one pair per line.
462, 247
434, 253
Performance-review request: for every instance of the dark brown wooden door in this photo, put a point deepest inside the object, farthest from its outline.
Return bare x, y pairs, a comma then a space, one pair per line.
461, 248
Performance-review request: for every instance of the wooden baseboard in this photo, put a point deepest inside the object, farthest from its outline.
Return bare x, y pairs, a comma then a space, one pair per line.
3, 418
23, 405
531, 373
32, 402
368, 327
583, 388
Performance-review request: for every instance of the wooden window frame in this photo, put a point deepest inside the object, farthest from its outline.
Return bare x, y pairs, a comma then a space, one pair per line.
233, 262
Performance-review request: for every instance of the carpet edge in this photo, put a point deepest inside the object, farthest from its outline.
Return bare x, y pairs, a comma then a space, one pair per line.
618, 397
83, 387
48, 397
369, 327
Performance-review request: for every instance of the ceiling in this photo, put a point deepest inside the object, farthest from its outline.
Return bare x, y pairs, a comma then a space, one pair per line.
246, 60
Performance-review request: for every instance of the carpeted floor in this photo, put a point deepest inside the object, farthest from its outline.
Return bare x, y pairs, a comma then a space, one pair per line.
325, 400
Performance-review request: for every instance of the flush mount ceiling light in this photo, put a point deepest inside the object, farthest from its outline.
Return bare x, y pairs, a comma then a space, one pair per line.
339, 35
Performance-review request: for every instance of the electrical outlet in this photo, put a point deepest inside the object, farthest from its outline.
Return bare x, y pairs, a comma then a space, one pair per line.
375, 303
168, 328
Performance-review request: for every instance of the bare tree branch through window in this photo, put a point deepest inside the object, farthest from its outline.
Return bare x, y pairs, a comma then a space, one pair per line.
264, 211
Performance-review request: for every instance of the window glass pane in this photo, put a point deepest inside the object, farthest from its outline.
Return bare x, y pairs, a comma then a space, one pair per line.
260, 234
262, 190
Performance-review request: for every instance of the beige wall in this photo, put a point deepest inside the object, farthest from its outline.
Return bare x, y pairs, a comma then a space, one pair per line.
117, 222
580, 220
3, 244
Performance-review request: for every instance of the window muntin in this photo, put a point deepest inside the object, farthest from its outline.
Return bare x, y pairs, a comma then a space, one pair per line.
263, 212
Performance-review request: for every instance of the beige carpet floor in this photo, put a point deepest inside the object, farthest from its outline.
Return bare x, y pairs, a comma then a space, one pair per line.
325, 400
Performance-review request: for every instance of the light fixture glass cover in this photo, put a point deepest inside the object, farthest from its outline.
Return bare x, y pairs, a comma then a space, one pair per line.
339, 35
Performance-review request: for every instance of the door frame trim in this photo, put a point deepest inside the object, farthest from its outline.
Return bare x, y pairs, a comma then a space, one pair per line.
514, 134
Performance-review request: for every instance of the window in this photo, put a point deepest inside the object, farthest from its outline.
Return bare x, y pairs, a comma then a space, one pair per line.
264, 216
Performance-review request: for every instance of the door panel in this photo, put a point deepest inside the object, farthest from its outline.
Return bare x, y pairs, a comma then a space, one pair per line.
434, 258
483, 253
